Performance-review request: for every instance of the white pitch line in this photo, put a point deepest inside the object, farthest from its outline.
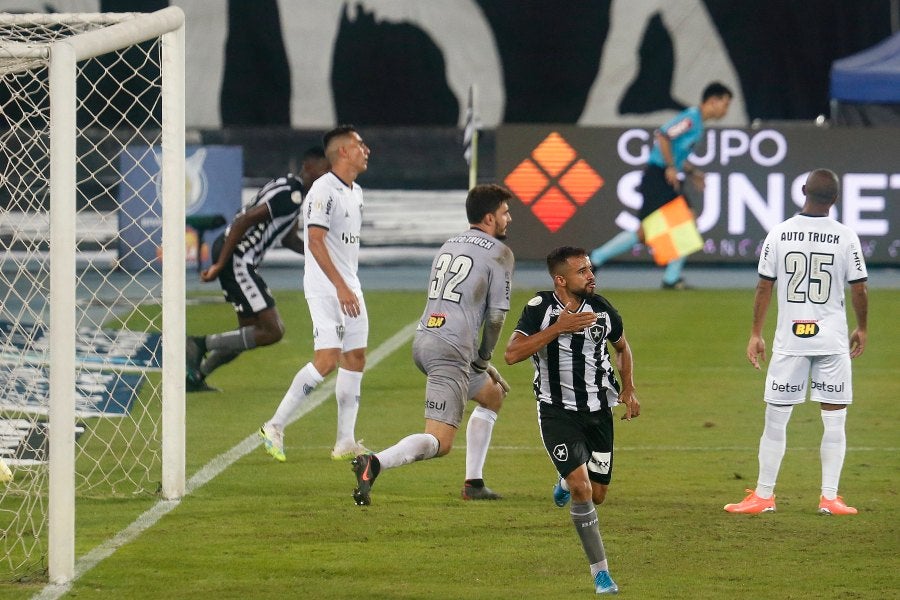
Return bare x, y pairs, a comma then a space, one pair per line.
537, 448
206, 474
702, 448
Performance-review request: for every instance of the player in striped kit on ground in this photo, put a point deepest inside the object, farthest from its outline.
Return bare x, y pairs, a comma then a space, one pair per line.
272, 215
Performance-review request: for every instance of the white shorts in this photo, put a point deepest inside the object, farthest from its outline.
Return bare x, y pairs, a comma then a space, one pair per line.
333, 329
828, 379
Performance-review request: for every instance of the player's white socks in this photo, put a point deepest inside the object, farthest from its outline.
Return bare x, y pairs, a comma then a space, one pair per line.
832, 450
305, 381
418, 446
346, 392
771, 448
478, 439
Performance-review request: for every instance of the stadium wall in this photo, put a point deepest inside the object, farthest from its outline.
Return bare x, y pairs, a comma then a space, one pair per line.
754, 180
417, 179
579, 185
605, 62
309, 64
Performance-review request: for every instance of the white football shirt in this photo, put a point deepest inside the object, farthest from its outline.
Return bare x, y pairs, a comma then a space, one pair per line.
811, 259
337, 207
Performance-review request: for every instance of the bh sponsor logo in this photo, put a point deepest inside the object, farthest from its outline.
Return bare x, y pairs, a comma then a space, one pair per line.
805, 329
349, 238
435, 321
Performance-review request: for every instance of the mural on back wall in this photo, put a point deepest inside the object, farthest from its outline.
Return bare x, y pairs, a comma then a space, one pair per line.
592, 63
313, 63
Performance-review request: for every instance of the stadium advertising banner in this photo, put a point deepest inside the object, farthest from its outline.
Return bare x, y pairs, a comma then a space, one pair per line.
579, 186
213, 183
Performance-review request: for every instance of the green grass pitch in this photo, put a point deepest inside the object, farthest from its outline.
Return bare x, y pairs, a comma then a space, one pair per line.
262, 529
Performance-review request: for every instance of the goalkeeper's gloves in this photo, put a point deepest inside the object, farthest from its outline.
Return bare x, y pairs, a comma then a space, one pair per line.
497, 377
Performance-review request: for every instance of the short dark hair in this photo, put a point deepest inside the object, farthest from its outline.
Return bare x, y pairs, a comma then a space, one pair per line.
336, 132
558, 257
485, 199
313, 153
822, 186
716, 90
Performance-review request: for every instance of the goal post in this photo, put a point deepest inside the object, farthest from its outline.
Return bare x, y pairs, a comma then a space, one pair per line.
91, 391
173, 287
61, 367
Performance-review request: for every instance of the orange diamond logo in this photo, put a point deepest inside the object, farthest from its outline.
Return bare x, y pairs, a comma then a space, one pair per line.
554, 154
527, 181
554, 181
581, 182
554, 209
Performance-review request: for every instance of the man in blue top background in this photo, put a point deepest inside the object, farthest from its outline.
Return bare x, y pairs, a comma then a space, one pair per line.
661, 182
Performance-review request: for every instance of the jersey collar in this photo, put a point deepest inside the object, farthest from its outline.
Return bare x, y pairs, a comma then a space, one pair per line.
348, 185
563, 304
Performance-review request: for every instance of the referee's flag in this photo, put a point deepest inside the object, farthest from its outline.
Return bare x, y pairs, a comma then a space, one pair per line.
671, 232
470, 138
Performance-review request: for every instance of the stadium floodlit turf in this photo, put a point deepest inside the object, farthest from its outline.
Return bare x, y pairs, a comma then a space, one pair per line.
290, 530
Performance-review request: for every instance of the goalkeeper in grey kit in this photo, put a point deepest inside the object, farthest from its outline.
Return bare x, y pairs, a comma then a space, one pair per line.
468, 295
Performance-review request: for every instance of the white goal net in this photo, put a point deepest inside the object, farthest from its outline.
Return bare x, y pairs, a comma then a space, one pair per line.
91, 123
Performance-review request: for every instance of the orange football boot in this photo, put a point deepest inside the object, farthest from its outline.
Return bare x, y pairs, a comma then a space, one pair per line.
835, 507
752, 505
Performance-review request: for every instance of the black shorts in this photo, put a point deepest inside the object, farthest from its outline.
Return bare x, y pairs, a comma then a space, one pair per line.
656, 191
575, 438
242, 286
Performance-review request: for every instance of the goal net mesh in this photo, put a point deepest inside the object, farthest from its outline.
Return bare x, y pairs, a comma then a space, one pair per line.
118, 282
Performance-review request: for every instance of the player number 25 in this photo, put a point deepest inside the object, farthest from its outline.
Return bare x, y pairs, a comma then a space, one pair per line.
810, 277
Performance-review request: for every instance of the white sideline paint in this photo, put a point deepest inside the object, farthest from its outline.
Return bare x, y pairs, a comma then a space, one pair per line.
209, 471
538, 448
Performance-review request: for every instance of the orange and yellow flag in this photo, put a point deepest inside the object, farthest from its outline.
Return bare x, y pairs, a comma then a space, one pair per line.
671, 232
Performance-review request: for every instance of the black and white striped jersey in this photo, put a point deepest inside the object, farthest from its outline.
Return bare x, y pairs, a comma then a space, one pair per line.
283, 196
574, 371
